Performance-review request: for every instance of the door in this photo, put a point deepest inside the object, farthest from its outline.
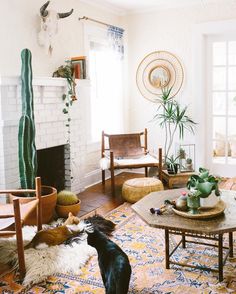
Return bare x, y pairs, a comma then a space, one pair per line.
221, 105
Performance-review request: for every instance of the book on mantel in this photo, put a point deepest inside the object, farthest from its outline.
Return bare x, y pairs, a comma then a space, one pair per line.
78, 64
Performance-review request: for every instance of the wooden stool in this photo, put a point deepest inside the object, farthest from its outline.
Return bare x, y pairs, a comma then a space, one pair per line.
135, 189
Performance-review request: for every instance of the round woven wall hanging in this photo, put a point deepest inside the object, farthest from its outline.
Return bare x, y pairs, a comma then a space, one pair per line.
158, 70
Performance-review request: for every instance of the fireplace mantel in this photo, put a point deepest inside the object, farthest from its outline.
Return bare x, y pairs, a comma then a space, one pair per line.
50, 125
39, 81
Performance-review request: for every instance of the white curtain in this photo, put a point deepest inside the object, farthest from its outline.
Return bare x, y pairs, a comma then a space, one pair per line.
106, 75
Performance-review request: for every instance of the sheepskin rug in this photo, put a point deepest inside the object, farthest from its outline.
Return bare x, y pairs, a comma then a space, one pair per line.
41, 263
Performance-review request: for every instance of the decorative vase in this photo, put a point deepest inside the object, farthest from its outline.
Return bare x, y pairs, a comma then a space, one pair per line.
172, 169
193, 203
189, 166
209, 201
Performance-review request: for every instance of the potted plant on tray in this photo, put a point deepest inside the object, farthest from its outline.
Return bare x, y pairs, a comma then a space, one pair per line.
27, 152
207, 187
67, 201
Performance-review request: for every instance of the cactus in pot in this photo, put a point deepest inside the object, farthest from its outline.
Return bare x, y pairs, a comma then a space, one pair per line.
67, 198
26, 133
67, 201
189, 164
27, 153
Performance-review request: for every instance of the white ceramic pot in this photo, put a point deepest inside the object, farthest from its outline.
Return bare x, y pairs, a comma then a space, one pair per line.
209, 201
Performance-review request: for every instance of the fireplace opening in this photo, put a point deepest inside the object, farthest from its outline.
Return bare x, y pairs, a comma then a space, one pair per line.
51, 166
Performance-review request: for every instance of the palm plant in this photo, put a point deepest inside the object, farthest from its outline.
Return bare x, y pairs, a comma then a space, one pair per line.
172, 117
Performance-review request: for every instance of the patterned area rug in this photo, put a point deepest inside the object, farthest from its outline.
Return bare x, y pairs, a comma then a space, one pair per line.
145, 248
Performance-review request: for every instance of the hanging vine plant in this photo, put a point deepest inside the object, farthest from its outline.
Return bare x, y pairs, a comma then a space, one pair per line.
65, 71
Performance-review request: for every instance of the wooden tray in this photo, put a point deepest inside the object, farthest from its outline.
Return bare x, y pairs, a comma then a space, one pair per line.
203, 212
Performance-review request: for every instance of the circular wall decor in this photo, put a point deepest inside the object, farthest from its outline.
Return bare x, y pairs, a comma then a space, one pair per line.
158, 70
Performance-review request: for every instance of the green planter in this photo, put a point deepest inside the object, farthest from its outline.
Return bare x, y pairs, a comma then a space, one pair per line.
193, 203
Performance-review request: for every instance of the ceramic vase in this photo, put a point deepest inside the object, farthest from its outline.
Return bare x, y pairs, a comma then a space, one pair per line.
209, 201
193, 203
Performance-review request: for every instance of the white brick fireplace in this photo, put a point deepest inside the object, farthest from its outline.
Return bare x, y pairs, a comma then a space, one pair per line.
50, 127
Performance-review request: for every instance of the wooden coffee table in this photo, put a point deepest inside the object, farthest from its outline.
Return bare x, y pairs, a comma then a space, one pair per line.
211, 229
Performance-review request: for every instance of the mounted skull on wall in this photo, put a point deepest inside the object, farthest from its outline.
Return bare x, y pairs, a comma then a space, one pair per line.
49, 26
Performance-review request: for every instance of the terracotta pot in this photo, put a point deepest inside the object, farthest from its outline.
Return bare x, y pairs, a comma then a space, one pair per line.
49, 199
63, 210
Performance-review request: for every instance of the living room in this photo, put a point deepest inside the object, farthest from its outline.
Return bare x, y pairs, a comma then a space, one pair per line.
190, 46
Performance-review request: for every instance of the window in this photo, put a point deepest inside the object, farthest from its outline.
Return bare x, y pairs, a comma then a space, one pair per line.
222, 106
105, 71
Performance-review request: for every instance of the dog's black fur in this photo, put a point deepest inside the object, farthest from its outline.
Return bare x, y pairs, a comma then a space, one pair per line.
113, 262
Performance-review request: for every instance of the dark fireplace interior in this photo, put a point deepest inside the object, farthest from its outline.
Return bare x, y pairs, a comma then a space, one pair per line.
51, 166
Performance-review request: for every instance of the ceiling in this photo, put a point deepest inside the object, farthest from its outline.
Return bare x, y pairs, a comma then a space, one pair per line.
134, 6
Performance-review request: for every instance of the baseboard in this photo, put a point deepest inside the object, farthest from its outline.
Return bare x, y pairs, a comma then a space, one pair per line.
95, 177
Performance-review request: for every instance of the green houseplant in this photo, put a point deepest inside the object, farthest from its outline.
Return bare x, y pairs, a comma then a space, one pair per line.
27, 152
67, 201
66, 71
172, 164
173, 118
207, 185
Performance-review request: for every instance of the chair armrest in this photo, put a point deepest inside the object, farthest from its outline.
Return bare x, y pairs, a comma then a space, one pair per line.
6, 215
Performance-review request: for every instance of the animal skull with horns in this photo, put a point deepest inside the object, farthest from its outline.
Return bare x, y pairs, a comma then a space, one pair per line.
49, 26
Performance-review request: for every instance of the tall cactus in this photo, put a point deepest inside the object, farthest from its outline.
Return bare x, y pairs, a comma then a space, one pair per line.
26, 134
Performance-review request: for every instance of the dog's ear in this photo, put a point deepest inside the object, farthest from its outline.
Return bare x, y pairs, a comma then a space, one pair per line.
70, 214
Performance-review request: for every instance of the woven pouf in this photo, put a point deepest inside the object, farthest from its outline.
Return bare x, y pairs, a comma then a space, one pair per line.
135, 189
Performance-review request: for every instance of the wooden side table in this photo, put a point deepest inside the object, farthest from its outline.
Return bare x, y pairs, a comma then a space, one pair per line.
179, 179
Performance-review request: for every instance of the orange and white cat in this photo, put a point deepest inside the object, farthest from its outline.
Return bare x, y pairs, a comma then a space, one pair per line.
58, 235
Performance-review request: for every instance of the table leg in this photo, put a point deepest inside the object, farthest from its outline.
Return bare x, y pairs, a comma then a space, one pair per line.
183, 240
231, 248
220, 257
167, 249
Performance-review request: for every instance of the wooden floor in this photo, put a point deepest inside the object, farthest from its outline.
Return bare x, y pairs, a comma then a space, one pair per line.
96, 199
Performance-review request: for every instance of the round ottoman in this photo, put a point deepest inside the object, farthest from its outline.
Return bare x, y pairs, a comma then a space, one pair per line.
135, 189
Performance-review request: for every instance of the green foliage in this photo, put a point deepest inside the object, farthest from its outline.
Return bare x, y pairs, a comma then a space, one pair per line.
172, 117
67, 198
204, 183
26, 133
65, 71
172, 162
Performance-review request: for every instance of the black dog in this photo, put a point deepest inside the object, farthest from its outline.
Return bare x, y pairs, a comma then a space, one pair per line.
113, 262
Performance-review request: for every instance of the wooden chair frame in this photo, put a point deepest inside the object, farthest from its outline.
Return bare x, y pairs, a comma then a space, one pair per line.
140, 165
18, 221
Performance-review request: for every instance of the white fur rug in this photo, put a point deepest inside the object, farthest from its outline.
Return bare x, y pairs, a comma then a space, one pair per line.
41, 263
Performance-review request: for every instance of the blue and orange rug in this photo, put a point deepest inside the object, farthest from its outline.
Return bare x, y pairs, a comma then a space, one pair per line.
145, 247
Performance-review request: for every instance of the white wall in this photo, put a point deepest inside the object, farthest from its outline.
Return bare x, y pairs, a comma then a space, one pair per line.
19, 26
171, 30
